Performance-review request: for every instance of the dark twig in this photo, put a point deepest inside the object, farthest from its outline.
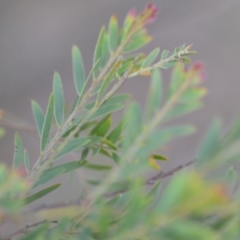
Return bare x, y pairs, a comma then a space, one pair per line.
149, 181
153, 179
162, 175
25, 229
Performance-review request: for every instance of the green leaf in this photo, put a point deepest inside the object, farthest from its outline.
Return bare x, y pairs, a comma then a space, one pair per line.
113, 33
84, 153
2, 132
150, 58
106, 109
182, 109
133, 125
37, 232
18, 151
73, 145
53, 172
116, 132
78, 69
159, 157
26, 160
97, 167
101, 50
38, 116
79, 98
47, 123
155, 94
41, 193
58, 99
111, 76
102, 127
109, 144
116, 158
164, 54
127, 25
210, 144
137, 43
116, 99
193, 94
159, 138
177, 79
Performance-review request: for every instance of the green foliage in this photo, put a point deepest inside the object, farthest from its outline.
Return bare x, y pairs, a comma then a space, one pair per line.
120, 201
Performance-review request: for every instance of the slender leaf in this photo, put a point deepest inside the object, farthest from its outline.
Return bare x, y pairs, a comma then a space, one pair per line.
106, 109
18, 151
115, 134
73, 145
193, 94
150, 58
133, 125
53, 172
38, 116
97, 167
2, 132
111, 76
159, 157
47, 123
26, 160
116, 158
58, 99
210, 144
137, 43
101, 50
155, 94
102, 127
159, 138
164, 54
41, 193
182, 109
78, 69
116, 99
113, 33
79, 98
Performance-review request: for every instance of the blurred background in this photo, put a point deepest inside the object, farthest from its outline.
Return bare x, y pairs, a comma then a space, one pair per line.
36, 39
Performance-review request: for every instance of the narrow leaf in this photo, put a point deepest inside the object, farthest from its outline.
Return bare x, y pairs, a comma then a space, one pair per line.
53, 172
78, 69
58, 99
38, 116
26, 160
150, 58
116, 132
111, 76
164, 54
101, 50
102, 127
210, 144
113, 33
41, 193
159, 157
79, 98
106, 109
97, 167
116, 99
73, 145
155, 94
18, 152
47, 123
137, 43
133, 125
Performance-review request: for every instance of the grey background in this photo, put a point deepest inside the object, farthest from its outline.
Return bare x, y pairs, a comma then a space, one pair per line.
36, 39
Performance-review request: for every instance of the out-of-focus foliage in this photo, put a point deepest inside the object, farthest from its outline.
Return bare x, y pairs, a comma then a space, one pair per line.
201, 202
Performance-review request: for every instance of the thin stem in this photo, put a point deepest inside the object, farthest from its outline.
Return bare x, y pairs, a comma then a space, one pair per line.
25, 229
142, 136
